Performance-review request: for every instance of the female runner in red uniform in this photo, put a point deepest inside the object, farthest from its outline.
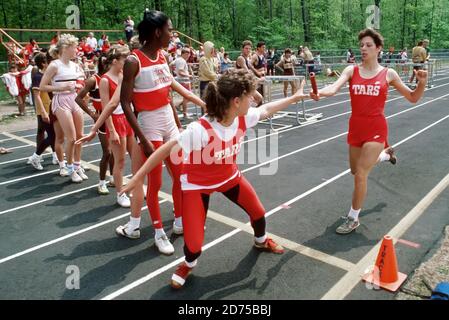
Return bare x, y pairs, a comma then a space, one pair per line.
211, 146
146, 85
368, 130
92, 88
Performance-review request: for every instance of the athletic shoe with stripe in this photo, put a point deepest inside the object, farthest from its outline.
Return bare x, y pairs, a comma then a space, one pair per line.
122, 231
179, 277
270, 246
164, 245
348, 225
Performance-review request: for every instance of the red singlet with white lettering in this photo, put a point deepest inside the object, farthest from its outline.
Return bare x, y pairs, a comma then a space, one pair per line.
368, 98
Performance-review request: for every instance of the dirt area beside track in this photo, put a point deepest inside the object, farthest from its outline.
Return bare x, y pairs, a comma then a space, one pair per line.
429, 273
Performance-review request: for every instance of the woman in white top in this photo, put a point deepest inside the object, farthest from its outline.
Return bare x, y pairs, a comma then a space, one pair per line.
60, 78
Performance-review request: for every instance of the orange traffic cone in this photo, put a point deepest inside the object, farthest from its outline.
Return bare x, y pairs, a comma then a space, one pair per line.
385, 273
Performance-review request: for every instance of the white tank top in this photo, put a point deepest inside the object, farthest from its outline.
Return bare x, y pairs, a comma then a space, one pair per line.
65, 74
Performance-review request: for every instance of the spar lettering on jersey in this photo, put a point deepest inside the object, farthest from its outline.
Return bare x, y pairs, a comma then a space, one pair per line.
229, 152
216, 162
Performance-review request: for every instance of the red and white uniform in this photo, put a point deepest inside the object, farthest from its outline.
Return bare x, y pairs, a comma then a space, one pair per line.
121, 125
151, 99
210, 166
368, 98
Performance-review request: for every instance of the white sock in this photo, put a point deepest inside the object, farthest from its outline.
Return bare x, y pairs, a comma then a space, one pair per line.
384, 156
134, 223
178, 222
61, 164
191, 264
76, 166
70, 167
261, 239
102, 182
159, 233
354, 214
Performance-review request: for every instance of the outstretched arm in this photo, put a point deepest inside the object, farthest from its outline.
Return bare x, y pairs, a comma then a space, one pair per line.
171, 147
336, 86
267, 110
411, 95
187, 94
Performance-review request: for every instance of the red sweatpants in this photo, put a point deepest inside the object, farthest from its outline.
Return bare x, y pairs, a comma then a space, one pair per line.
155, 184
196, 203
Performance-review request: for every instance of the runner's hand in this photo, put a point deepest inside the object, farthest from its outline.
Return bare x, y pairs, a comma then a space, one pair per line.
147, 148
86, 138
421, 75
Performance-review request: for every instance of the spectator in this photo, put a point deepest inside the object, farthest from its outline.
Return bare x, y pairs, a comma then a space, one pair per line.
184, 74
207, 71
404, 56
91, 41
350, 56
286, 65
106, 46
390, 55
176, 40
30, 49
419, 56
226, 63
200, 52
270, 62
129, 28
220, 54
308, 59
54, 40
101, 41
317, 58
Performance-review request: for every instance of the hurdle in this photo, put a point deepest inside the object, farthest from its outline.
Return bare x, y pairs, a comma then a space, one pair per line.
300, 115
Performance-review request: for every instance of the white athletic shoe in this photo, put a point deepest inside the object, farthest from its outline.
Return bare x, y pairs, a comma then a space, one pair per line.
103, 189
124, 232
36, 163
75, 177
81, 173
64, 172
123, 201
55, 159
163, 245
177, 229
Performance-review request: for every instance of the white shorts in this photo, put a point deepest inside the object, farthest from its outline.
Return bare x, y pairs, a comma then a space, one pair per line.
158, 125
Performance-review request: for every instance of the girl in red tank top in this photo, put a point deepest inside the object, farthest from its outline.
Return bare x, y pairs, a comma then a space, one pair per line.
211, 146
92, 87
368, 130
118, 130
